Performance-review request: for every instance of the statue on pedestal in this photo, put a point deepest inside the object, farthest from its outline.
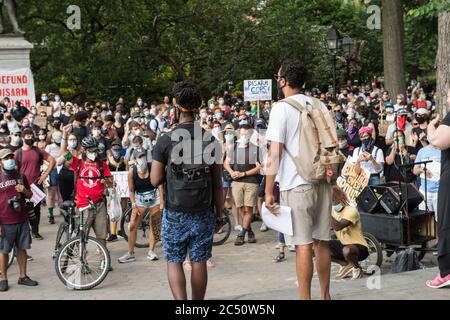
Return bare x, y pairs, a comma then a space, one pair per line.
11, 7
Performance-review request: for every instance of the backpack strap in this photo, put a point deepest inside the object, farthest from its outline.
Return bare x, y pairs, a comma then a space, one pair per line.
19, 158
102, 170
294, 103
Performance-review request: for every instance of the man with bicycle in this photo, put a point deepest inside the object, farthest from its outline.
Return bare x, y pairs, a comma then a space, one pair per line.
14, 229
92, 176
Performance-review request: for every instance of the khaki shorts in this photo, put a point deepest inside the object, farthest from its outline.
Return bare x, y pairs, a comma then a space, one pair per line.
100, 224
311, 212
244, 194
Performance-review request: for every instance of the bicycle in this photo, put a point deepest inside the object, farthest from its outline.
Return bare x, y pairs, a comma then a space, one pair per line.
142, 229
68, 229
83, 262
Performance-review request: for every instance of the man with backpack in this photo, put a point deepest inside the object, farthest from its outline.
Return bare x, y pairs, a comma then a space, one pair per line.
307, 182
193, 186
29, 160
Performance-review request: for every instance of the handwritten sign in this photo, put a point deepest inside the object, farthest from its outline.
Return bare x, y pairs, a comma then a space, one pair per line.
353, 182
121, 180
18, 85
255, 90
41, 122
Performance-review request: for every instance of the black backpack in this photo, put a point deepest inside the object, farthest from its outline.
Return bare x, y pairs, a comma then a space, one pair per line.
406, 260
188, 187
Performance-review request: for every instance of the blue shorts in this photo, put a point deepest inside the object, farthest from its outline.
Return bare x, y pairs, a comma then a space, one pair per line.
181, 232
226, 184
147, 199
54, 178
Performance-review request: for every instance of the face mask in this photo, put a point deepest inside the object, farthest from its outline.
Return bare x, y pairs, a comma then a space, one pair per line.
58, 141
57, 125
339, 116
280, 94
124, 117
33, 111
211, 106
358, 117
221, 102
343, 144
399, 101
57, 98
166, 114
29, 142
243, 122
338, 208
216, 130
115, 153
218, 116
16, 140
91, 155
421, 119
229, 137
401, 140
8, 164
30, 120
73, 144
42, 137
140, 103
141, 164
137, 132
414, 109
153, 112
44, 98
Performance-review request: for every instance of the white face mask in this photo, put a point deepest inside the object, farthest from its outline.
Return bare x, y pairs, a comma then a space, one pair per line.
57, 98
229, 137
91, 155
244, 140
137, 132
216, 131
16, 139
141, 164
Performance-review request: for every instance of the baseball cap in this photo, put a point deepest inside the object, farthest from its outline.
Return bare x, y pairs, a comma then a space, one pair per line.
422, 111
402, 112
260, 123
5, 152
116, 142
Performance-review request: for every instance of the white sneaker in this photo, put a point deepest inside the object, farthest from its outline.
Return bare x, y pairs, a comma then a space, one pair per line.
152, 256
127, 258
263, 227
238, 227
357, 273
291, 248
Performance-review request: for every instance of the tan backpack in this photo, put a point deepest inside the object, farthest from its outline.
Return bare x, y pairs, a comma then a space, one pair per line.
318, 160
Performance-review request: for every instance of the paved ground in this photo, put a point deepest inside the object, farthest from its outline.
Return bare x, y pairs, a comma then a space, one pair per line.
245, 272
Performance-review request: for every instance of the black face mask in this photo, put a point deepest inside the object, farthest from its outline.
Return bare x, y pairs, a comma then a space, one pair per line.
29, 142
280, 94
421, 119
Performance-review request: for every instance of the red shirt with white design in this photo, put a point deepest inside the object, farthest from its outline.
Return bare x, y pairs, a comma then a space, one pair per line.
93, 188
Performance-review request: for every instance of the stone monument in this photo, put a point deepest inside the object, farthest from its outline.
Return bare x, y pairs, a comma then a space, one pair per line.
16, 79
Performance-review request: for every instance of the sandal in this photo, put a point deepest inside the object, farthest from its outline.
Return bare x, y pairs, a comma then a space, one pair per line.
280, 257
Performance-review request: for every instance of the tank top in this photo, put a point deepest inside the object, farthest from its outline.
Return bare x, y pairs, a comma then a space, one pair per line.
142, 185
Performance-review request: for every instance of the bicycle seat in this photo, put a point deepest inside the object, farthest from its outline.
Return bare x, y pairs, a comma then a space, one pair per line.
68, 204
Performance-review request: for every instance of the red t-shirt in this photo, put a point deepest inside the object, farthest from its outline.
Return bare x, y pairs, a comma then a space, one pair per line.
30, 165
93, 188
7, 191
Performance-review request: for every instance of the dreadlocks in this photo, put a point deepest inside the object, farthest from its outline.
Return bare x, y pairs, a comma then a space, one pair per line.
187, 96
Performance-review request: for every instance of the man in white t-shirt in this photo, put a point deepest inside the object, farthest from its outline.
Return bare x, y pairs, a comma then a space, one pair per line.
310, 203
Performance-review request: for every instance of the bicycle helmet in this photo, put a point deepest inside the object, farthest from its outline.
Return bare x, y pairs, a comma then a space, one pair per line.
89, 143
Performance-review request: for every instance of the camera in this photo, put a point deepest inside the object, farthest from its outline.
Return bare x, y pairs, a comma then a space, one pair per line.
14, 203
30, 211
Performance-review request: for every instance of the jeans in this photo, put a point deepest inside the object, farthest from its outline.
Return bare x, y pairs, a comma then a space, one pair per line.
374, 180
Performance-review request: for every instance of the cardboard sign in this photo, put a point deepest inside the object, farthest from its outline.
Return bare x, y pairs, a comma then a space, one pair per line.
382, 128
41, 122
18, 85
353, 182
121, 180
255, 90
47, 110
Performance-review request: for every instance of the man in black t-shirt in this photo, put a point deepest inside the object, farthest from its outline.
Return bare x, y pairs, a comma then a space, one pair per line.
79, 128
193, 185
244, 167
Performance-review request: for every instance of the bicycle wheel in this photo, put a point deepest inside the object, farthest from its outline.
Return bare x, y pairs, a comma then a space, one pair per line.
142, 231
375, 257
82, 272
62, 236
11, 257
224, 233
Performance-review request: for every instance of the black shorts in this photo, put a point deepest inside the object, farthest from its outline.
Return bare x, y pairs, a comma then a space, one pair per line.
15, 235
337, 250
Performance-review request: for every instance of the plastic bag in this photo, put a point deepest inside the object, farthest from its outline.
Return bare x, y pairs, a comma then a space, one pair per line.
114, 207
406, 260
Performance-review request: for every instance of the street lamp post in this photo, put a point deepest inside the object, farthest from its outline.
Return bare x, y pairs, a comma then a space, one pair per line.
334, 43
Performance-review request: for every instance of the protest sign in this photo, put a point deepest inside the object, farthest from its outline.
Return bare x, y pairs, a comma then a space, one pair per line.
353, 182
41, 122
121, 180
18, 85
255, 90
38, 194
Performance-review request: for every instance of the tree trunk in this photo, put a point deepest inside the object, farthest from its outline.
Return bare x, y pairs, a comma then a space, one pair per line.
393, 40
443, 63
